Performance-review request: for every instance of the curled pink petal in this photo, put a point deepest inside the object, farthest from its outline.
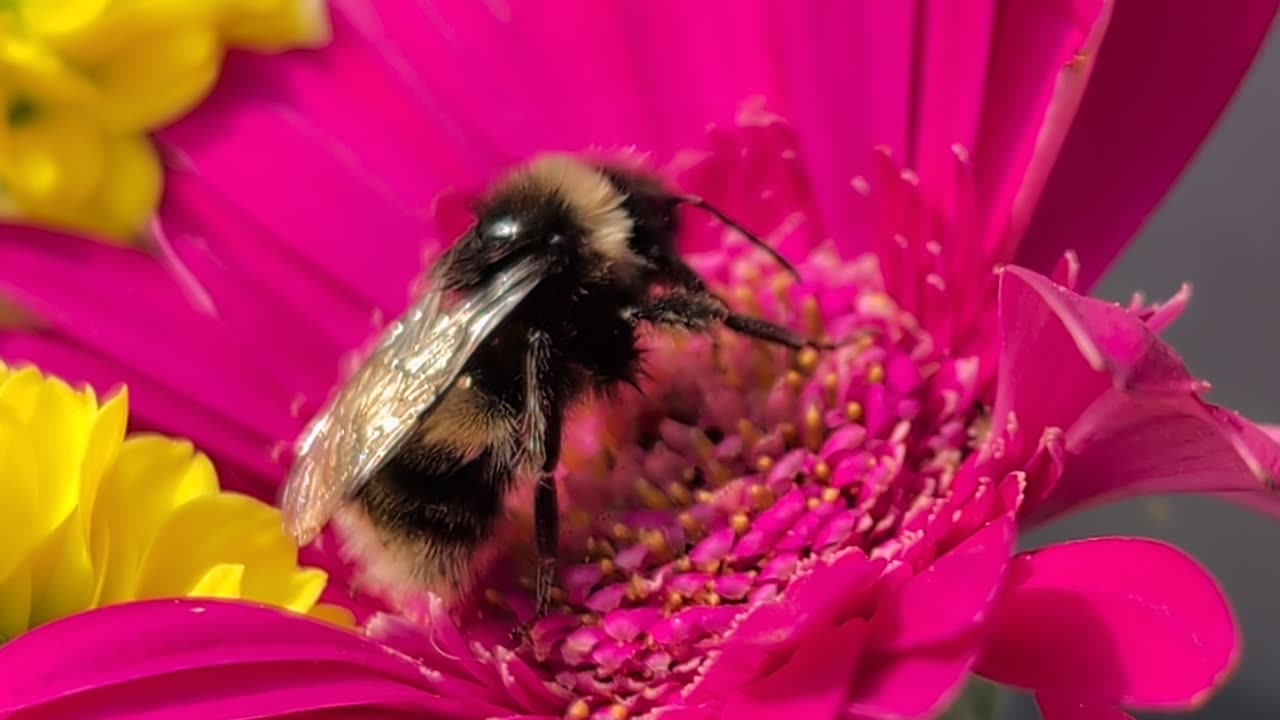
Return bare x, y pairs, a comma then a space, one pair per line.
1130, 622
1130, 413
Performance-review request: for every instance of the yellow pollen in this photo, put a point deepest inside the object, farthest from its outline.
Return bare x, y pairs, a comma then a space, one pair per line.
741, 523
684, 564
618, 711
656, 542
788, 433
830, 495
830, 384
702, 445
812, 316
622, 533
589, 619
765, 366
578, 710
732, 379
822, 472
674, 600
690, 524
764, 464
813, 503
807, 360
607, 568
679, 492
651, 496
557, 595
600, 548
853, 411
711, 567
761, 497
749, 434
813, 430
794, 381
719, 473
875, 374
704, 497
689, 474
636, 590
747, 300
780, 285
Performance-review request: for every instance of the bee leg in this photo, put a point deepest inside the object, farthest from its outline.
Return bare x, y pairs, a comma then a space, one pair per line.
699, 311
542, 427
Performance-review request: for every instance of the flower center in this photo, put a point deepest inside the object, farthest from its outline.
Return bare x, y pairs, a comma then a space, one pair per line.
736, 465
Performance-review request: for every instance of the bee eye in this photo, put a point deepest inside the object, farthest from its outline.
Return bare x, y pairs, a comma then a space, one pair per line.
502, 229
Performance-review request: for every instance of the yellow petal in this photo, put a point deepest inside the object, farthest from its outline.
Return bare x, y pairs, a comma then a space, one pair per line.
63, 578
59, 432
300, 593
275, 25
60, 17
221, 581
334, 615
99, 550
20, 391
152, 476
228, 528
15, 603
125, 24
55, 160
19, 497
157, 82
105, 438
38, 73
129, 196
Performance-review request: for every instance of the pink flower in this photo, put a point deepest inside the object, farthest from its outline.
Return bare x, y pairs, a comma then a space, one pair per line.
831, 538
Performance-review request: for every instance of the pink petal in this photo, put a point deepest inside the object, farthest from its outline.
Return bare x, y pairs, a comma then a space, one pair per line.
1148, 106
208, 659
968, 577
1055, 706
1133, 420
1129, 622
813, 683
925, 638
1031, 100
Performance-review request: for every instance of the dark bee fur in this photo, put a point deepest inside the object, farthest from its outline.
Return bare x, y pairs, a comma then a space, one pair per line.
426, 518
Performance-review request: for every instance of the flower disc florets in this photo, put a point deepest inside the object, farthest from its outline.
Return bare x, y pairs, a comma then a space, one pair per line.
736, 471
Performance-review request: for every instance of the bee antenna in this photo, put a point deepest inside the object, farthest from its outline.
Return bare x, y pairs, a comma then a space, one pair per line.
703, 205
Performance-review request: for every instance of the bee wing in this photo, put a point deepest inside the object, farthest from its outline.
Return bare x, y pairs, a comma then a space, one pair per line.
415, 362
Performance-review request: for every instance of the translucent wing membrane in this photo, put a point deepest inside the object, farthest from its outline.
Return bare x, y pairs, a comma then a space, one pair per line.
415, 362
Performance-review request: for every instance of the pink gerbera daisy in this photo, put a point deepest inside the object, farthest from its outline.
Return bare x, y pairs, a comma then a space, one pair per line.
755, 534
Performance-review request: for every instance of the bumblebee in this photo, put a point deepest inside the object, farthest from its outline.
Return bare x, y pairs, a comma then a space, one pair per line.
463, 398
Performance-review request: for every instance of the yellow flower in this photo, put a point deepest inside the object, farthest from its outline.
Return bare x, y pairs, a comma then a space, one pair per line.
83, 82
92, 517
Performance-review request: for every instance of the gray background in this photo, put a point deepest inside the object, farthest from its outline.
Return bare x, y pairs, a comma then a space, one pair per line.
1220, 230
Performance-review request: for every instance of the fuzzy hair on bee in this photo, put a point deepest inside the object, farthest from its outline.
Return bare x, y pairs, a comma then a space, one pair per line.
463, 400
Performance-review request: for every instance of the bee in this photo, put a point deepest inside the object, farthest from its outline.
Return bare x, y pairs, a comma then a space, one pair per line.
463, 399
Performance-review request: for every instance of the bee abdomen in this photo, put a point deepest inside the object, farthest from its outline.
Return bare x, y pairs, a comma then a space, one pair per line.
424, 520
